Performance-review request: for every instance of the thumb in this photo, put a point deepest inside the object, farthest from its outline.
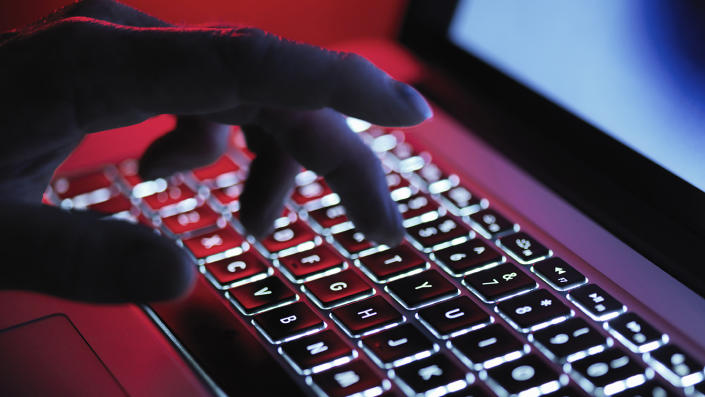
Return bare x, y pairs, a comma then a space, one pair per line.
77, 256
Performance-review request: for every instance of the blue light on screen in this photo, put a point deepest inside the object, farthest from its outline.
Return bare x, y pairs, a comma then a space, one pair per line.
625, 66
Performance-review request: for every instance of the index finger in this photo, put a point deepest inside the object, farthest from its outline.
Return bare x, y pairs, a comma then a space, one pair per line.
129, 73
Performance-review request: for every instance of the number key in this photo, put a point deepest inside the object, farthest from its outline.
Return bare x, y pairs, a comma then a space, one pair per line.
499, 282
469, 257
534, 310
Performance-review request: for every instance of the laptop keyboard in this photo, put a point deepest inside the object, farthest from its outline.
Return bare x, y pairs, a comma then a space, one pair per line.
468, 304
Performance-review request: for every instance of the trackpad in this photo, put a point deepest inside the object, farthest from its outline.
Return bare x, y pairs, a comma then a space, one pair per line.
49, 357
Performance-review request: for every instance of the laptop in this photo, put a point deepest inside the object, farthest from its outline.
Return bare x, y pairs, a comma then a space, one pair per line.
554, 209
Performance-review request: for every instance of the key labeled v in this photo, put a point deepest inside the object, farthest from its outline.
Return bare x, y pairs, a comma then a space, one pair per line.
263, 291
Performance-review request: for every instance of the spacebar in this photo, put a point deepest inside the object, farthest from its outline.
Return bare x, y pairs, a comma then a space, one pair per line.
222, 345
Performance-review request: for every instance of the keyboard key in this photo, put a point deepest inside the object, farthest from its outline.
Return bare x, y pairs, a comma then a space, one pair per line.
305, 265
488, 347
499, 282
461, 201
74, 185
318, 352
491, 224
699, 389
635, 333
570, 340
238, 270
469, 257
365, 316
436, 375
311, 191
200, 218
219, 241
527, 375
398, 346
568, 391
288, 236
396, 181
472, 391
442, 231
558, 274
352, 241
227, 197
356, 378
261, 295
596, 303
288, 322
338, 289
329, 216
393, 263
607, 372
223, 172
454, 316
421, 289
176, 198
115, 204
534, 310
416, 205
523, 248
431, 173
651, 388
675, 365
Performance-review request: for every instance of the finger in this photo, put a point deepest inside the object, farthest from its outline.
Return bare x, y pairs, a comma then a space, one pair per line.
269, 183
322, 142
138, 72
194, 142
78, 257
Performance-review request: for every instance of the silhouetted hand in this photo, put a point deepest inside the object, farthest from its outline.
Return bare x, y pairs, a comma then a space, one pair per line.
98, 65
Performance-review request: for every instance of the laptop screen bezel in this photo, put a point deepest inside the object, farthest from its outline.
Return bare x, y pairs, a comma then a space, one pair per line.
652, 210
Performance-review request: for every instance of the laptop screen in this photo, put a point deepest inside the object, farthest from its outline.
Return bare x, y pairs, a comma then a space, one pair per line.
625, 67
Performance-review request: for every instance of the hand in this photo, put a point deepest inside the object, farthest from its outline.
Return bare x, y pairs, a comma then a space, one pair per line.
98, 64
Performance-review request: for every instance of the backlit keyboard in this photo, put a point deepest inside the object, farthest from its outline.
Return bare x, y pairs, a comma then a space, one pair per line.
468, 305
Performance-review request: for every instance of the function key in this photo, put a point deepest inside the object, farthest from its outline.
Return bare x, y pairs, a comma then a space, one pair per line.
635, 333
421, 289
499, 282
223, 172
570, 340
261, 295
609, 372
225, 241
652, 388
366, 316
596, 303
393, 263
356, 378
200, 218
174, 199
558, 274
676, 366
288, 322
338, 289
491, 224
468, 257
416, 205
488, 347
524, 248
461, 201
329, 216
433, 376
440, 232
75, 185
352, 241
304, 265
528, 375
534, 310
398, 346
318, 352
312, 191
453, 317
288, 236
240, 269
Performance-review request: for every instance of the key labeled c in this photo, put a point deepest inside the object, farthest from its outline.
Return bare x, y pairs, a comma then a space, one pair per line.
338, 286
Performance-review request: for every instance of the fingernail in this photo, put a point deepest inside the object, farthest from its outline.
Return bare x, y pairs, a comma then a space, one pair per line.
414, 100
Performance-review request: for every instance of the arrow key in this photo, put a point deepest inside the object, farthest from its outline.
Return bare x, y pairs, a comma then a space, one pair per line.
261, 295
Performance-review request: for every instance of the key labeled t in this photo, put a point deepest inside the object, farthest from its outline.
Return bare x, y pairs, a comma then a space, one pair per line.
455, 313
425, 284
